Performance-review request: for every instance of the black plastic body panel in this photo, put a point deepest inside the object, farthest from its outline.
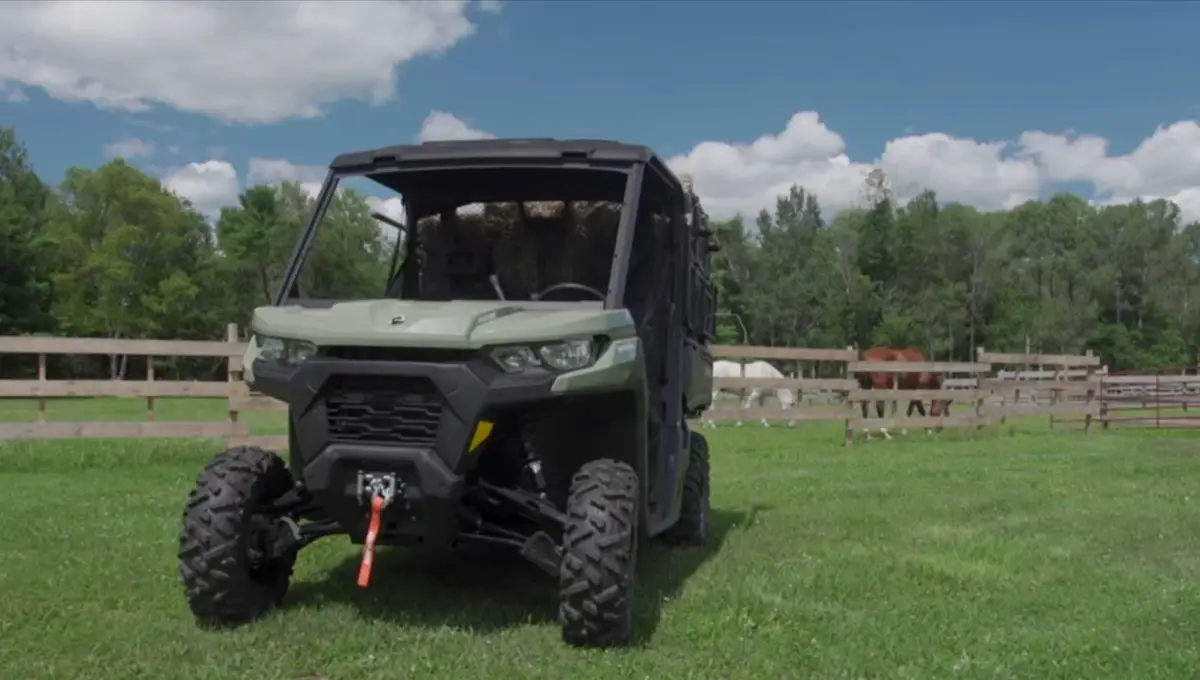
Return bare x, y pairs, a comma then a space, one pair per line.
430, 466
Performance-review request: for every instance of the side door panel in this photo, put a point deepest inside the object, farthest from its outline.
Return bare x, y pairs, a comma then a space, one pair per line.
698, 376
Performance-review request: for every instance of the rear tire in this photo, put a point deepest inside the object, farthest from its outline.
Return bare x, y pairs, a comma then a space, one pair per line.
599, 562
691, 530
226, 577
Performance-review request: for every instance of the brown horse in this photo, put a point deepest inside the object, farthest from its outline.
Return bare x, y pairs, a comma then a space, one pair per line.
914, 380
922, 380
876, 381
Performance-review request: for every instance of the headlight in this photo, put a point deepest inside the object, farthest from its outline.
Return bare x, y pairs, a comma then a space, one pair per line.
515, 359
566, 355
284, 350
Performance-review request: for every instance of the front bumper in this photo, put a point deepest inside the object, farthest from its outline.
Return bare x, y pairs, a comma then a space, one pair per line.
414, 419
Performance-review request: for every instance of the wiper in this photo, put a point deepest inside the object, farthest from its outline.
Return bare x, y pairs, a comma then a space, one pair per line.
390, 222
393, 271
495, 280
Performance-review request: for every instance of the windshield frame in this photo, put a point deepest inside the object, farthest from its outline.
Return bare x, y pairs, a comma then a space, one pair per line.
634, 173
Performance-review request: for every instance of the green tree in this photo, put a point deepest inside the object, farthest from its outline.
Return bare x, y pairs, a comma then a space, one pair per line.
130, 259
25, 286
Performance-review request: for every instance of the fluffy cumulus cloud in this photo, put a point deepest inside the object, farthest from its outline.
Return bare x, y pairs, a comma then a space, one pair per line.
393, 207
745, 177
277, 171
310, 178
210, 185
990, 174
10, 93
214, 184
253, 62
1165, 165
440, 126
129, 148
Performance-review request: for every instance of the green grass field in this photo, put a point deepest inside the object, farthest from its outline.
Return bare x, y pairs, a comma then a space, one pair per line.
1011, 553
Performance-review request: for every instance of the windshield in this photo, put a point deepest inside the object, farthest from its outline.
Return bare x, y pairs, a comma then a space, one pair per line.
558, 248
512, 251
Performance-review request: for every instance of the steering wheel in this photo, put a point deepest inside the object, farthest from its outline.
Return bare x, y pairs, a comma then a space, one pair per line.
569, 286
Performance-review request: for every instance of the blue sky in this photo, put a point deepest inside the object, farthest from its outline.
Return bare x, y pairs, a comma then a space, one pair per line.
673, 74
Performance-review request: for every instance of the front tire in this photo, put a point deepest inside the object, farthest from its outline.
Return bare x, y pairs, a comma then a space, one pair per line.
691, 530
599, 561
227, 575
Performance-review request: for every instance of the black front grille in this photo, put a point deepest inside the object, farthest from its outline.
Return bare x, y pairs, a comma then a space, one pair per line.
383, 410
424, 354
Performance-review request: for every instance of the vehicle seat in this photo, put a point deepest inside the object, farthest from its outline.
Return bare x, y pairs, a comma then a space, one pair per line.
515, 250
458, 258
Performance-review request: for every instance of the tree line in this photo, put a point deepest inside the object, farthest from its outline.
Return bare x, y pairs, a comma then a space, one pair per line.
109, 252
1055, 276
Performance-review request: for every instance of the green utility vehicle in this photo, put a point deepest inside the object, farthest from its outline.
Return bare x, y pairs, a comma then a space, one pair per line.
522, 376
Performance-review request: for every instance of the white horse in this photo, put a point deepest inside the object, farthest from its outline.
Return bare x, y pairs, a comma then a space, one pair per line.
754, 369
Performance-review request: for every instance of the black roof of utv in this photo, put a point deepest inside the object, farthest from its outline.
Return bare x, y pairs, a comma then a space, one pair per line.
594, 153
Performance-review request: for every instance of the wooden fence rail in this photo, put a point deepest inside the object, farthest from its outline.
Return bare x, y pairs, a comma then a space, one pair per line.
979, 393
1072, 393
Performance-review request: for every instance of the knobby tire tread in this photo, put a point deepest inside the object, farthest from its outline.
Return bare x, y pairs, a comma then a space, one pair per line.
599, 560
214, 565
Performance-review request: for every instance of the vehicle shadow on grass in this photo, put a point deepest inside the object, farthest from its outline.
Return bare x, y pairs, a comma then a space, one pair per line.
484, 590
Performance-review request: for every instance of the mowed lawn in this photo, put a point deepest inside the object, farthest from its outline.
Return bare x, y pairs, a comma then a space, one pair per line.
998, 555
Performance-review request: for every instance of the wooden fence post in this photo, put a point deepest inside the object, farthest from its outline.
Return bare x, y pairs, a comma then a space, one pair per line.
1091, 393
233, 376
980, 397
1103, 398
149, 379
849, 433
41, 378
1055, 395
979, 393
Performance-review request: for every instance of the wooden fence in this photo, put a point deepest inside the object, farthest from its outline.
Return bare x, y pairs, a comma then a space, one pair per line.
238, 396
984, 391
825, 388
1166, 398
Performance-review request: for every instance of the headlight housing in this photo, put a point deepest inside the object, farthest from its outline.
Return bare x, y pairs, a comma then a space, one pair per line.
559, 356
284, 350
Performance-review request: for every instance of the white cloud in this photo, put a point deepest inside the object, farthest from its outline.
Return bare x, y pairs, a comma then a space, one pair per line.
393, 207
10, 93
250, 62
210, 185
129, 147
736, 177
491, 6
746, 177
310, 177
277, 171
214, 184
1164, 165
442, 126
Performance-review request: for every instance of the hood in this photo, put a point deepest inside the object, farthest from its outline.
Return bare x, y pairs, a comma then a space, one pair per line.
464, 324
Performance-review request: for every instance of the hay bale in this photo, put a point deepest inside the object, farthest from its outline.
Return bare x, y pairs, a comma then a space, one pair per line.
573, 242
